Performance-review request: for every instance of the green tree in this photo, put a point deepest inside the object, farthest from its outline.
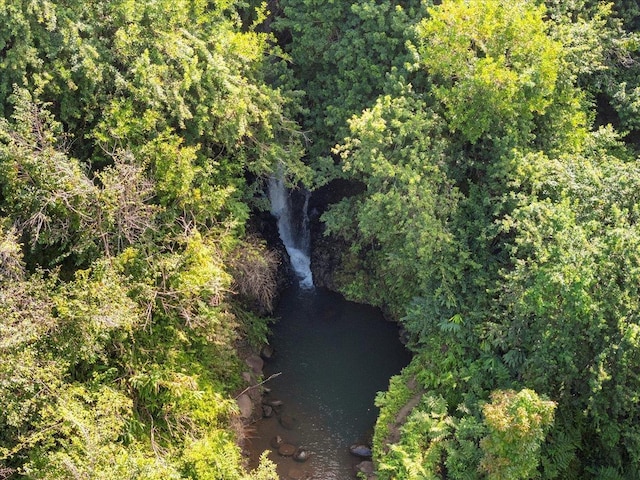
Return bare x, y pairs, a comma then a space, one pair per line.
517, 423
396, 149
573, 285
341, 54
603, 56
53, 201
134, 137
506, 261
494, 65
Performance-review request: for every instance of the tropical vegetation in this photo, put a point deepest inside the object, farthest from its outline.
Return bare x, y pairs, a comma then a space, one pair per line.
492, 147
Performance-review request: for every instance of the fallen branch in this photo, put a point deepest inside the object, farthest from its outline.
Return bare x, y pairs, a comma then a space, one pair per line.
258, 384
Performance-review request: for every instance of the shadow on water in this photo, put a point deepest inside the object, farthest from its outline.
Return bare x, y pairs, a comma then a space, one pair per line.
333, 356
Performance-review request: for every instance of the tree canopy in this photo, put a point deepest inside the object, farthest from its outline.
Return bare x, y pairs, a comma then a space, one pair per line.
493, 150
498, 223
134, 138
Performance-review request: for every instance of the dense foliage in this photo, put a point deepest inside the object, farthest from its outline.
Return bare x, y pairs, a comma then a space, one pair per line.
494, 146
499, 223
134, 135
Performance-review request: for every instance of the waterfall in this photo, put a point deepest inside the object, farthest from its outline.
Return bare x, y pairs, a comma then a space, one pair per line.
293, 228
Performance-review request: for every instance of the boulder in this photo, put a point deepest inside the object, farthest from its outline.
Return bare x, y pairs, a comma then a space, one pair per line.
365, 467
360, 450
301, 455
288, 422
296, 473
286, 450
272, 402
267, 352
255, 363
276, 441
267, 411
245, 405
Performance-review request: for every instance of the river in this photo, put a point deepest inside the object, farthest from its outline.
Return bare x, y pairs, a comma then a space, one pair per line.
333, 356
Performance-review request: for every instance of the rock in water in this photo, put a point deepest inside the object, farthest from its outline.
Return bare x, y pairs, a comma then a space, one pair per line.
266, 352
267, 411
301, 454
288, 422
255, 363
297, 474
360, 450
365, 467
245, 405
277, 441
286, 450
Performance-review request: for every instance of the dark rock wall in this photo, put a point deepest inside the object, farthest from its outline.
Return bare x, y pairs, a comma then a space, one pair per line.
326, 251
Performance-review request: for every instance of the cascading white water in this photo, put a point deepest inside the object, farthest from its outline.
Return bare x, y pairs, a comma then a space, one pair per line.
294, 234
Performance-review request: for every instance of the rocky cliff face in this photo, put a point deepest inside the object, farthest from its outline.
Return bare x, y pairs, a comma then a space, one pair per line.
326, 251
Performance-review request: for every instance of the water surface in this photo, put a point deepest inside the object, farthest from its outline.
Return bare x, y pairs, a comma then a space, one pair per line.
333, 356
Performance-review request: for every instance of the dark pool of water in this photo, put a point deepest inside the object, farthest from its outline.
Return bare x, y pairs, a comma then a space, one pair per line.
333, 356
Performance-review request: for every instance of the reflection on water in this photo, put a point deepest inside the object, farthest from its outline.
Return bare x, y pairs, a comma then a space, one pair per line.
333, 357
